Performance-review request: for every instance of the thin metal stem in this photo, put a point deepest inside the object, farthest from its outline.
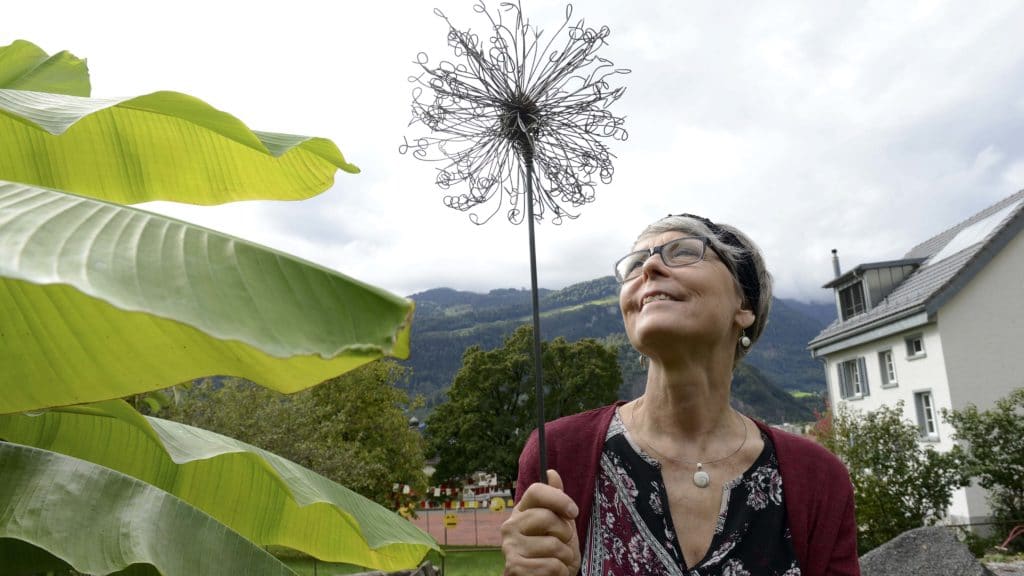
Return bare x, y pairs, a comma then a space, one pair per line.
538, 386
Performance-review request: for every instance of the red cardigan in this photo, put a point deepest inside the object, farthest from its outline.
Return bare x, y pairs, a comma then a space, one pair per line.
815, 484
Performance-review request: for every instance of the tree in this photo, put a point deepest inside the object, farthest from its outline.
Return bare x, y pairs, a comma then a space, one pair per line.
583, 375
995, 452
898, 484
352, 429
491, 407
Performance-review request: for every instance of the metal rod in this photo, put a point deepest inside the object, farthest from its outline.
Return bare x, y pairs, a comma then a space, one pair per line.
538, 385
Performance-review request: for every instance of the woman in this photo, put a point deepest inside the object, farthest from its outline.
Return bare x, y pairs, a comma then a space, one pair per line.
677, 481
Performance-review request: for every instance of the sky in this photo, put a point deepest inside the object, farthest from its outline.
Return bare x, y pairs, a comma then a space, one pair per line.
866, 127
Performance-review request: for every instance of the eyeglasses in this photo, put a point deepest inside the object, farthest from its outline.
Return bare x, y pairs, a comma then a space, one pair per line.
675, 254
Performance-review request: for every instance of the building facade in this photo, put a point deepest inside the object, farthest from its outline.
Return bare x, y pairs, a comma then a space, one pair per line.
940, 328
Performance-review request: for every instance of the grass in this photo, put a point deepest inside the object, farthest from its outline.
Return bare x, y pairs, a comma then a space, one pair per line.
993, 555
463, 561
458, 561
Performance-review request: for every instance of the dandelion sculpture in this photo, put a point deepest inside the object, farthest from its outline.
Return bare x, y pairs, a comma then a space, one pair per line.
517, 119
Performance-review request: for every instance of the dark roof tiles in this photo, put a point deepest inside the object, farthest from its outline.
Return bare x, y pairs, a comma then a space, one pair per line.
927, 281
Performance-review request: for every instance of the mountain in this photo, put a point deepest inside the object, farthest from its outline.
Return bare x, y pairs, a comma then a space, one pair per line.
822, 314
781, 354
447, 322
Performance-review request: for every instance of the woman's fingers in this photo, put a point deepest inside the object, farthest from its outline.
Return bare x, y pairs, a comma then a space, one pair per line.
540, 536
540, 522
539, 567
539, 547
539, 555
549, 496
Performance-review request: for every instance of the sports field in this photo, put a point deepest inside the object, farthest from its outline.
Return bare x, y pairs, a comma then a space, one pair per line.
478, 527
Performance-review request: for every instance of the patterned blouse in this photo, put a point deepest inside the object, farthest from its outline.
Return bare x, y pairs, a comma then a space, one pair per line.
631, 531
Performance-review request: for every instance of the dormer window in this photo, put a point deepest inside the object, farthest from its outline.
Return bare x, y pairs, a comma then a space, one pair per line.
851, 300
866, 286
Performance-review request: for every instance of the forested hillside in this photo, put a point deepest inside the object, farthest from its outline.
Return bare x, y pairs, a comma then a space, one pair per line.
449, 321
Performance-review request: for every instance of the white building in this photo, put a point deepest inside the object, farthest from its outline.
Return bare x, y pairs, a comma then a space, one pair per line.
941, 328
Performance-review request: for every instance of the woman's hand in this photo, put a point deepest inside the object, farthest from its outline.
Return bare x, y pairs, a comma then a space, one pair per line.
540, 536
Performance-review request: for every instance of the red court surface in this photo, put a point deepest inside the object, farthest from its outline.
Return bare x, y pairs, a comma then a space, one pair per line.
480, 527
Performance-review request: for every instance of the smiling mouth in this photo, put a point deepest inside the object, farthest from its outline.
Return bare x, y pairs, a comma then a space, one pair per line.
655, 298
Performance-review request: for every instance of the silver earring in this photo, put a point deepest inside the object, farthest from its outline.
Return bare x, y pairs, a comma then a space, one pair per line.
643, 361
744, 340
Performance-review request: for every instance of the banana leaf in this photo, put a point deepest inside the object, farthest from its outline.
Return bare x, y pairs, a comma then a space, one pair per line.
25, 66
224, 477
102, 301
159, 146
101, 521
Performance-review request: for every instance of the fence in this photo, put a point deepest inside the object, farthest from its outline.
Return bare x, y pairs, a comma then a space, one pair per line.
474, 526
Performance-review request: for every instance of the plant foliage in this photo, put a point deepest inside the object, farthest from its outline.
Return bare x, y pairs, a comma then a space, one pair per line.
995, 453
898, 484
352, 429
146, 285
52, 490
25, 66
298, 508
491, 406
99, 300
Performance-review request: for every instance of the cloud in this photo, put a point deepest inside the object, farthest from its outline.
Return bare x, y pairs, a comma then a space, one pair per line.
865, 127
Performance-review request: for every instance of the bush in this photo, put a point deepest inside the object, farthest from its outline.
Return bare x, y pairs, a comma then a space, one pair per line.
353, 428
994, 454
898, 484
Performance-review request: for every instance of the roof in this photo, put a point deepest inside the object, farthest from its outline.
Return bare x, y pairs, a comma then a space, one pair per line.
861, 268
950, 260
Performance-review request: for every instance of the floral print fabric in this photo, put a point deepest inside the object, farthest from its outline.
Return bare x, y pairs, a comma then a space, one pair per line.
631, 531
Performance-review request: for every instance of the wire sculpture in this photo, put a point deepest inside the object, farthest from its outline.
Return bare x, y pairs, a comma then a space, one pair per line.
516, 119
513, 98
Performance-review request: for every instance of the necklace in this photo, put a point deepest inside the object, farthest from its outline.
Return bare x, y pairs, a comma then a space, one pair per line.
701, 478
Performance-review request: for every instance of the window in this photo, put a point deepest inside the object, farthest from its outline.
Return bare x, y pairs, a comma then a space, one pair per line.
926, 415
915, 346
887, 367
853, 378
851, 300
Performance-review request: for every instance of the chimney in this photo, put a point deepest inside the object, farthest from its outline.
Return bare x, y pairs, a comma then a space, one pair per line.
835, 263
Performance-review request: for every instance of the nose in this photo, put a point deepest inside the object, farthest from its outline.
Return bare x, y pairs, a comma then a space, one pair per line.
654, 265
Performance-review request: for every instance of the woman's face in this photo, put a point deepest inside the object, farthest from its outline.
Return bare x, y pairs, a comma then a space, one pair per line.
667, 308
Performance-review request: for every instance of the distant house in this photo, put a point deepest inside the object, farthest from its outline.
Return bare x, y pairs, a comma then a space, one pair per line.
941, 327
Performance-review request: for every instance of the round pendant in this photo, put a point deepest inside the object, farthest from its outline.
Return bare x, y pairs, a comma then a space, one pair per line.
701, 479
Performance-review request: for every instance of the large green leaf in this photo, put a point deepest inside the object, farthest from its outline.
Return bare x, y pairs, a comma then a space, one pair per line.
160, 146
226, 478
25, 66
102, 521
19, 558
101, 301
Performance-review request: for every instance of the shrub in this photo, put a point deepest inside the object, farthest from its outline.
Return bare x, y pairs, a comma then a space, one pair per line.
898, 484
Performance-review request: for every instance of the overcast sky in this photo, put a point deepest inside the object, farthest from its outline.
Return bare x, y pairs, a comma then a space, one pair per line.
865, 127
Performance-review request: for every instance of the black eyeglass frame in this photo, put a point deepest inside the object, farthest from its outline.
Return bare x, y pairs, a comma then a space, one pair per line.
705, 243
745, 271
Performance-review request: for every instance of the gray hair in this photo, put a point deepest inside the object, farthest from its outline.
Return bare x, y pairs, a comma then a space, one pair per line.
735, 249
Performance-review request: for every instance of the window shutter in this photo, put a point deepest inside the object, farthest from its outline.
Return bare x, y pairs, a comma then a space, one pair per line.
922, 428
844, 386
862, 367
